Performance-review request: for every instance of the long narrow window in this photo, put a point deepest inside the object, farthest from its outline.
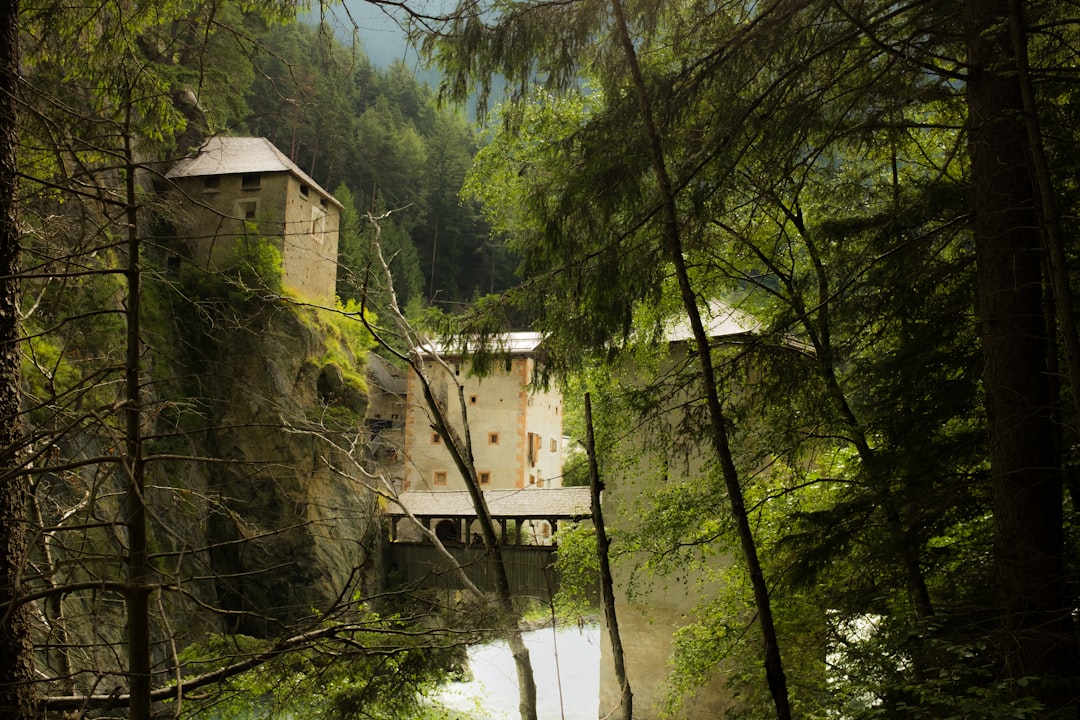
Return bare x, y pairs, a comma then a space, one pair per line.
318, 224
534, 449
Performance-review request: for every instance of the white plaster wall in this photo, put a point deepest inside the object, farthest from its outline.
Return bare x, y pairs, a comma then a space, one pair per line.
500, 418
544, 413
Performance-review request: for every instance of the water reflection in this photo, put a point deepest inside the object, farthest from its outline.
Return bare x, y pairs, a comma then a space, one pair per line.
493, 695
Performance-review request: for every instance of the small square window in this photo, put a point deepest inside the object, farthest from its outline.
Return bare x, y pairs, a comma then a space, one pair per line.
493, 438
472, 399
250, 181
532, 480
212, 183
436, 439
485, 478
440, 477
246, 209
303, 190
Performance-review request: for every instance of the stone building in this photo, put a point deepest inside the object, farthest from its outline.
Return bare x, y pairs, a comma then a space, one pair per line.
237, 191
516, 428
652, 608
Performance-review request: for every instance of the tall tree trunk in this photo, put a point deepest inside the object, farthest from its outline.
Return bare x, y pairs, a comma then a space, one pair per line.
137, 604
1037, 636
607, 591
16, 650
1049, 219
673, 244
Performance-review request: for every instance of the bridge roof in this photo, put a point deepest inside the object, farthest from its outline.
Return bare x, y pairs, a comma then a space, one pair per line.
571, 502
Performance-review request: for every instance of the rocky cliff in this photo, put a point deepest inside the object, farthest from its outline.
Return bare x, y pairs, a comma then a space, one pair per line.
292, 526
259, 519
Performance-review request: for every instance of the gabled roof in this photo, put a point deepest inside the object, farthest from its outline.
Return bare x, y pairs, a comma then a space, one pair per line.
221, 155
512, 343
533, 502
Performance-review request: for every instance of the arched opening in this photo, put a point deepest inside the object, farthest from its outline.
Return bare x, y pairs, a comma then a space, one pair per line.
448, 531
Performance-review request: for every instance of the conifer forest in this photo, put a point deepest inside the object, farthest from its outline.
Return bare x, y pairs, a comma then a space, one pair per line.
805, 275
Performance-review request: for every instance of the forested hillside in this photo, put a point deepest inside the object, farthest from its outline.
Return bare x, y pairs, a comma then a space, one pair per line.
185, 485
869, 492
376, 138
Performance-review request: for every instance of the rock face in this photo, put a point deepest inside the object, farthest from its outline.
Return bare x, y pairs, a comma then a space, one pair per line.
291, 526
258, 515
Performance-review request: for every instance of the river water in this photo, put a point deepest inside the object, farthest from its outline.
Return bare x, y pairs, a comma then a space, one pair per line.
492, 693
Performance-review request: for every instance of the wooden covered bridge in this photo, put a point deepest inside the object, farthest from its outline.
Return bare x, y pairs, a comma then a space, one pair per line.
526, 522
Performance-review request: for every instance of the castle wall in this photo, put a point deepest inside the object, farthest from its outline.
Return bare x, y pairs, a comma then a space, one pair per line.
310, 242
544, 414
652, 607
502, 414
223, 211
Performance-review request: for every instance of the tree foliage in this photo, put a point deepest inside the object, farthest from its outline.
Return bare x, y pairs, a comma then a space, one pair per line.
820, 159
183, 440
381, 134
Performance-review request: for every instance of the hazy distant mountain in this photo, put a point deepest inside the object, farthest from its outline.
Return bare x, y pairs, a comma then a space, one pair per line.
382, 38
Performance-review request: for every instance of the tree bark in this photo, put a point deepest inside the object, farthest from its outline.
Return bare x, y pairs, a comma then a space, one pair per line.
607, 591
1049, 219
137, 598
1036, 635
16, 650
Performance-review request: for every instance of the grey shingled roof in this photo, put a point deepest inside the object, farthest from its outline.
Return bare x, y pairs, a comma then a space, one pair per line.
571, 502
386, 376
221, 155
